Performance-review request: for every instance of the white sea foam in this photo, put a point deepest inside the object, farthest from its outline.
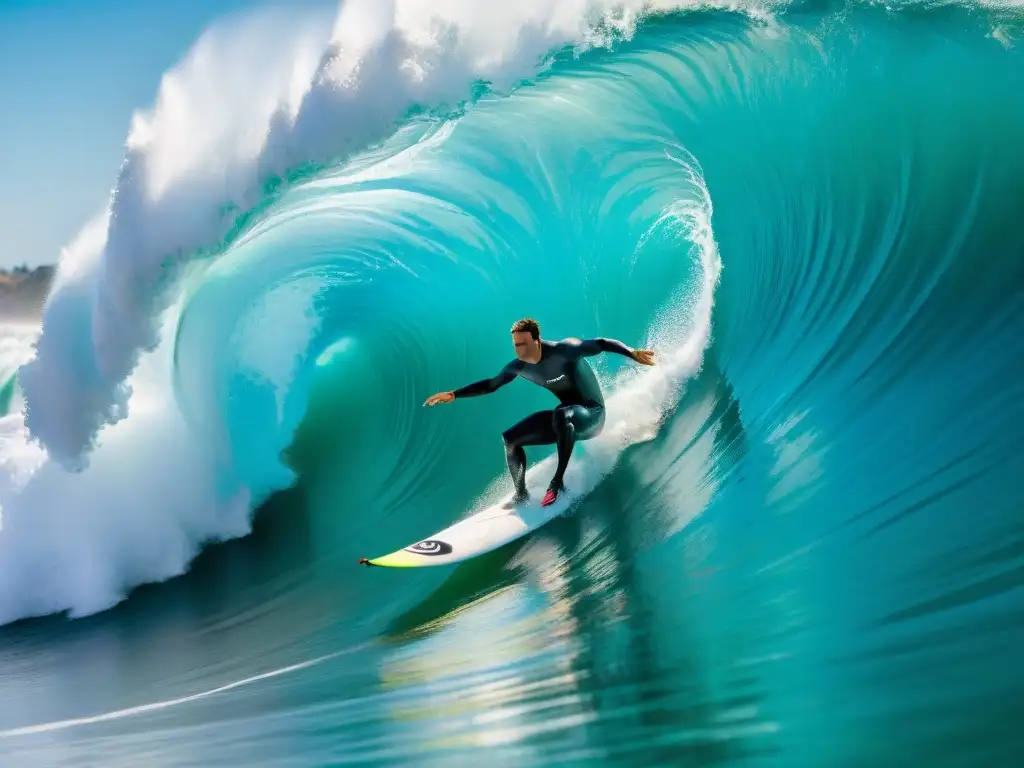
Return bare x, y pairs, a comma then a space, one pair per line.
152, 495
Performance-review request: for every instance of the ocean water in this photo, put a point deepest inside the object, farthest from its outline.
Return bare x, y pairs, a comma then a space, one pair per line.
801, 542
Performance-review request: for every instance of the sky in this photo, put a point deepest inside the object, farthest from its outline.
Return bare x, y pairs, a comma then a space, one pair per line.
71, 75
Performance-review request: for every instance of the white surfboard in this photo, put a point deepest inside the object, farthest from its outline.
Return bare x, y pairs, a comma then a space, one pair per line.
481, 532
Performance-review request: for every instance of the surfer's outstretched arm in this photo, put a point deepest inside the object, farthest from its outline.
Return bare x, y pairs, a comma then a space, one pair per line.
487, 386
482, 387
591, 347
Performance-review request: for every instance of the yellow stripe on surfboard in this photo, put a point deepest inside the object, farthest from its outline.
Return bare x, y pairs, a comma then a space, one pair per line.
399, 559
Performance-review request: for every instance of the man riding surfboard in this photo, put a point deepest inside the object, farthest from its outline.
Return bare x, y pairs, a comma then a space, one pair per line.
561, 368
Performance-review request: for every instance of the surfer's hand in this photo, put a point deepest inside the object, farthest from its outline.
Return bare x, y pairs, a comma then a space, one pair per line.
440, 397
644, 356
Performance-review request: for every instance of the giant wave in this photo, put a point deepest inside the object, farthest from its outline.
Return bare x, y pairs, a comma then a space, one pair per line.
299, 250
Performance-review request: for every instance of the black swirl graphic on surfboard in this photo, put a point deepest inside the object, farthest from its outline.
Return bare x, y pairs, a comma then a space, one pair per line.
430, 547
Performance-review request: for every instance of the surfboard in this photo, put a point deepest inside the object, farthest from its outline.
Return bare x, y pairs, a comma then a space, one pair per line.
481, 532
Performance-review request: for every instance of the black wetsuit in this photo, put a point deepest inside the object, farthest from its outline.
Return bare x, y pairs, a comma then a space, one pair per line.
564, 372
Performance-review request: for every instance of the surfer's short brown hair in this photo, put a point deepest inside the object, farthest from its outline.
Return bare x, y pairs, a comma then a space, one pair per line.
527, 325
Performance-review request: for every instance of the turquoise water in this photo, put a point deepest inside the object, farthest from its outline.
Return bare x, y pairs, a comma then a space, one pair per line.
808, 550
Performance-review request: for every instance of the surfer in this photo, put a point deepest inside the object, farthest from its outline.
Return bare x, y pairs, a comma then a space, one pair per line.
561, 368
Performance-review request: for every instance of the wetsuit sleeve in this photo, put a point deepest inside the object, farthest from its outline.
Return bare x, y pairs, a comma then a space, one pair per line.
591, 347
486, 386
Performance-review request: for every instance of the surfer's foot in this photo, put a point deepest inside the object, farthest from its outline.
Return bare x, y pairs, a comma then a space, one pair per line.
516, 501
552, 495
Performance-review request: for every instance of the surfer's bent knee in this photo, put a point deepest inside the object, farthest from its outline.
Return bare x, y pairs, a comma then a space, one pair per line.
586, 420
577, 415
563, 416
509, 438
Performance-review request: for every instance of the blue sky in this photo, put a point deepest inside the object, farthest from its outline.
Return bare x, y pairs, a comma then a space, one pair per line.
71, 74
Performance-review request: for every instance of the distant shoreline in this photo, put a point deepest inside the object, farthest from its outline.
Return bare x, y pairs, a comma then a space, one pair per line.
23, 291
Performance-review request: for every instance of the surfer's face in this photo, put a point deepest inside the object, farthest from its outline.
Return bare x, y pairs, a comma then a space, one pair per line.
527, 347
